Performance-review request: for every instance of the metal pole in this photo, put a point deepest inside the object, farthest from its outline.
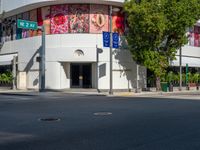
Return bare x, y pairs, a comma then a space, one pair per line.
14, 72
137, 72
42, 63
111, 41
97, 69
180, 65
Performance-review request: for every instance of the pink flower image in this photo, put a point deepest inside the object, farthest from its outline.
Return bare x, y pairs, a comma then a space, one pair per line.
98, 18
79, 18
59, 19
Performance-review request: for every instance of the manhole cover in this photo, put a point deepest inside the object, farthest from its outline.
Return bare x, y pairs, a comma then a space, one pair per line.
49, 119
102, 113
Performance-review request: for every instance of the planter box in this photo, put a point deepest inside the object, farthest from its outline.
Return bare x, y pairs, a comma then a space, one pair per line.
192, 84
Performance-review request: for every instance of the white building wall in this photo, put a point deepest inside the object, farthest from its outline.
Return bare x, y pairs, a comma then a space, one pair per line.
60, 51
190, 55
190, 51
64, 75
53, 75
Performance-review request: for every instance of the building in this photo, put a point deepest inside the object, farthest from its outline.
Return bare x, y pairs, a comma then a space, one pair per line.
75, 56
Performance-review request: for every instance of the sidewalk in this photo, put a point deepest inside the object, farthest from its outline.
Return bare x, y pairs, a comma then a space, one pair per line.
154, 93
104, 93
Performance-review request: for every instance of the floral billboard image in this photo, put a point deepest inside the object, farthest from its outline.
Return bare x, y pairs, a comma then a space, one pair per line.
98, 18
72, 18
59, 19
79, 18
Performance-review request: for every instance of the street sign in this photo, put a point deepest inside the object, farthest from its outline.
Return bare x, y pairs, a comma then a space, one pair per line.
106, 39
115, 40
24, 24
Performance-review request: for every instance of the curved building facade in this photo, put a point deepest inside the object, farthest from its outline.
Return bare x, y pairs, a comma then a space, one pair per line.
75, 56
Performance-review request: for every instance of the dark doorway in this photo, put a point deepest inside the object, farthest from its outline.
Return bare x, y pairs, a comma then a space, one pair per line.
81, 75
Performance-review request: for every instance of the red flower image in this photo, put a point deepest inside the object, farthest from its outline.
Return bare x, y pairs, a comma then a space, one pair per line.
59, 19
119, 22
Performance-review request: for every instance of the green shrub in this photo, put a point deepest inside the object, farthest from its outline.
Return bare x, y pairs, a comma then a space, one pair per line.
170, 77
6, 77
195, 77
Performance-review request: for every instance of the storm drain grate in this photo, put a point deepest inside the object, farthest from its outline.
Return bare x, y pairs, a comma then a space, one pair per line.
102, 113
49, 119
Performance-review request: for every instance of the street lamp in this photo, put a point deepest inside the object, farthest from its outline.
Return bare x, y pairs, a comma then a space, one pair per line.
111, 46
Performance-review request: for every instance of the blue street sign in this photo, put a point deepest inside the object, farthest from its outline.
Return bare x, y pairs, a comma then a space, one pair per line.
115, 40
106, 39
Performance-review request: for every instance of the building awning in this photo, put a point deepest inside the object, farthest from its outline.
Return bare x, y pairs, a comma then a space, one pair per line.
191, 61
6, 59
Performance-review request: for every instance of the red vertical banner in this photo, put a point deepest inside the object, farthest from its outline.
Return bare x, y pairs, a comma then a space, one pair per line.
118, 22
59, 19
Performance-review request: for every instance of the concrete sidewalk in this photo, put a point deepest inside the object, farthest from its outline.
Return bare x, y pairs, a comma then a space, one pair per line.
95, 92
154, 93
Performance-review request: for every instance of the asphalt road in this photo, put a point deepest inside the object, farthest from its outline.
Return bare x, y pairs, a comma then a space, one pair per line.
91, 122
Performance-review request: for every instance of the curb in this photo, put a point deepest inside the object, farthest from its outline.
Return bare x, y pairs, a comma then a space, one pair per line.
116, 94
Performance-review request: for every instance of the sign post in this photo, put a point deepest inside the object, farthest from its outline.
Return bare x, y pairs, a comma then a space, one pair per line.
111, 40
106, 39
25, 24
115, 40
42, 62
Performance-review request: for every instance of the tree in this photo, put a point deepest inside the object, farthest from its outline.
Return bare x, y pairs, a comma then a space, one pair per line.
157, 29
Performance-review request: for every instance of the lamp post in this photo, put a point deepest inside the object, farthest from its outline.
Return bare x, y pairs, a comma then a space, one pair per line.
111, 47
111, 41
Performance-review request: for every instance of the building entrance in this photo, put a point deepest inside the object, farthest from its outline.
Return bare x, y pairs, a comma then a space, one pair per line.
81, 75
